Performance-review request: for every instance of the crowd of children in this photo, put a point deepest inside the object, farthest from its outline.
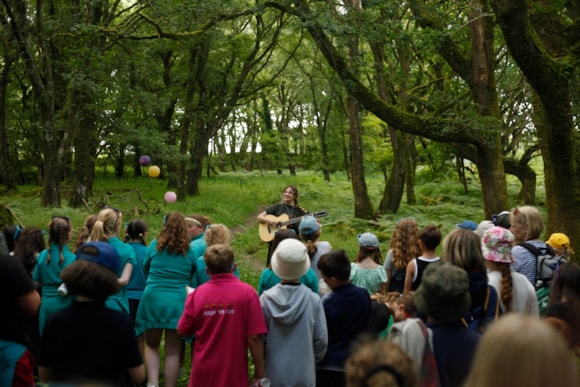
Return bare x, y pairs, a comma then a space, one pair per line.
318, 318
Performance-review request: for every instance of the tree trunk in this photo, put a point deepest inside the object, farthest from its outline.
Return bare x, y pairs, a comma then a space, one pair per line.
395, 185
362, 203
7, 171
550, 77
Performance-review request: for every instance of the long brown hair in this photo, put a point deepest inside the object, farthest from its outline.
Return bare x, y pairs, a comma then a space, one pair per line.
405, 243
174, 236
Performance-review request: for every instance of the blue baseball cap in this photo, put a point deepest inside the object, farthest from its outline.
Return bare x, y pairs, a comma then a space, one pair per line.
309, 225
368, 240
101, 253
468, 225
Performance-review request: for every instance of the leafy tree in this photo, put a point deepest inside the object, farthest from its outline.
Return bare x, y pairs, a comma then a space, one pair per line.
544, 40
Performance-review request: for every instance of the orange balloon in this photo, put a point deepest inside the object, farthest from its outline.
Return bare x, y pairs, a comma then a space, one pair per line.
154, 171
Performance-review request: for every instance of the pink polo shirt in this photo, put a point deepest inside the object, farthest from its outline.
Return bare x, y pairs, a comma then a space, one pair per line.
221, 313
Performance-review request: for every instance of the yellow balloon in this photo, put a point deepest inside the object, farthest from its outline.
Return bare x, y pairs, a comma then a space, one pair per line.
154, 171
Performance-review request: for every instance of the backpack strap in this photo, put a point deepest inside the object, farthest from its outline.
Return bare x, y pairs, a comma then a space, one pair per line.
536, 252
491, 289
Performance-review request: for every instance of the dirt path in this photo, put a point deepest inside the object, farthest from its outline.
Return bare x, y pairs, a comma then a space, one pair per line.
252, 261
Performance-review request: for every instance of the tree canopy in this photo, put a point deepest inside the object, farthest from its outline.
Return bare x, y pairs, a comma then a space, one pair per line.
283, 85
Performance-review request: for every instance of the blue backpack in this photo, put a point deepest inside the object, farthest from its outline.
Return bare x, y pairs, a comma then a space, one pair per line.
481, 316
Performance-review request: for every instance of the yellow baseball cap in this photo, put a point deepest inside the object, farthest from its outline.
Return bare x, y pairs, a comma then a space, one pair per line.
560, 241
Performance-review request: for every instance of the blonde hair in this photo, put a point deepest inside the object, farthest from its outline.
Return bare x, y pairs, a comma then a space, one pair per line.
217, 234
405, 243
376, 364
406, 299
530, 218
85, 231
106, 225
521, 350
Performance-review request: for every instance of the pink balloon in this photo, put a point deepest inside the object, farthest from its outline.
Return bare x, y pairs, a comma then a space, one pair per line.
144, 160
170, 196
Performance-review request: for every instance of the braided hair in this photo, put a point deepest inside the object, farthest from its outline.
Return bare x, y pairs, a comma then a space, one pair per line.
58, 234
506, 285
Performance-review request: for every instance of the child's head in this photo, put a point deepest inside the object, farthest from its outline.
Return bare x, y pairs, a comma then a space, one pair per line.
85, 230
290, 260
520, 350
566, 284
136, 230
309, 228
496, 245
565, 317
526, 223
280, 235
430, 236
219, 259
443, 293
29, 244
217, 234
368, 246
59, 230
462, 248
94, 273
59, 233
561, 245
174, 235
380, 364
401, 306
335, 268
405, 242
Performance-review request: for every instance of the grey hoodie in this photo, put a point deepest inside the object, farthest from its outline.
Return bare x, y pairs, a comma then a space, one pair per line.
297, 335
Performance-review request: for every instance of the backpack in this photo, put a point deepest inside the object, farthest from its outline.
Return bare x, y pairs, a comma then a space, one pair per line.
547, 261
481, 316
416, 340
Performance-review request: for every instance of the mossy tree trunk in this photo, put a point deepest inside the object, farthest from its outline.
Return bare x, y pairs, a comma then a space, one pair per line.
549, 62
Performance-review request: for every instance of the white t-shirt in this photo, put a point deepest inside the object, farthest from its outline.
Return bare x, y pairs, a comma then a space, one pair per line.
524, 298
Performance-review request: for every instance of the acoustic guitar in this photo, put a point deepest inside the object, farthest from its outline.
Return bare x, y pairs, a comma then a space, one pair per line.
267, 231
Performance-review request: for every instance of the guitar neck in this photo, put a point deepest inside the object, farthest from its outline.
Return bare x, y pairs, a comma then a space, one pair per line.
291, 221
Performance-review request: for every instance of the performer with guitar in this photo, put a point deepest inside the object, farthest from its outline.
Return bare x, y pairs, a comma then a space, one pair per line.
288, 209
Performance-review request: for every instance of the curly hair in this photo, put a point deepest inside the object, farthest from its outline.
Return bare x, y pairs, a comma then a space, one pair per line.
217, 234
405, 243
380, 364
58, 234
174, 236
85, 231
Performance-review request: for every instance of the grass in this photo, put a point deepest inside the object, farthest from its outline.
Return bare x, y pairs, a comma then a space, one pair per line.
235, 199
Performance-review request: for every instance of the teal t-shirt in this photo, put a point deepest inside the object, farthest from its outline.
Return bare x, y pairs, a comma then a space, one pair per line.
269, 279
126, 253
